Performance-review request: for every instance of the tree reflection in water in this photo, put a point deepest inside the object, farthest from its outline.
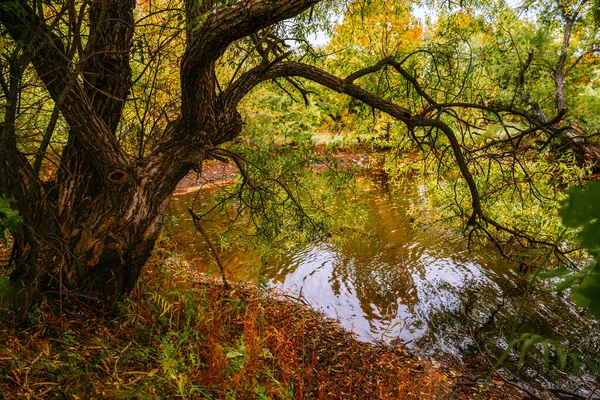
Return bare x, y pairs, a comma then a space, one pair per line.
403, 283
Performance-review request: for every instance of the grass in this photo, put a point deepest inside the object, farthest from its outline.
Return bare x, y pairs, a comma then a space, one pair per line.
179, 335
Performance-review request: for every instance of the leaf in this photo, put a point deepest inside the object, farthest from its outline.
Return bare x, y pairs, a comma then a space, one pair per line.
576, 364
553, 273
504, 356
9, 218
526, 345
4, 204
587, 294
546, 348
580, 210
233, 353
561, 358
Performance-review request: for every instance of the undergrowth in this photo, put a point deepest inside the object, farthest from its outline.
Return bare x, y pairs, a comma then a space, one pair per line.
179, 335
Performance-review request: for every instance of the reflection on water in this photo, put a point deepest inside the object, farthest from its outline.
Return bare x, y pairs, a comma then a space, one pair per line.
400, 283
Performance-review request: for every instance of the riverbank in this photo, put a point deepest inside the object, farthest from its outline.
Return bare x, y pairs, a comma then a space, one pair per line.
181, 335
215, 172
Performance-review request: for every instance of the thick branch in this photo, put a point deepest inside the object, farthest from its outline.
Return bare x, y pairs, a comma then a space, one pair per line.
238, 21
107, 72
460, 160
53, 66
236, 92
212, 39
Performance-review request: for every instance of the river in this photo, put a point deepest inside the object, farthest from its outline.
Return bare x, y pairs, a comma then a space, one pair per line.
403, 283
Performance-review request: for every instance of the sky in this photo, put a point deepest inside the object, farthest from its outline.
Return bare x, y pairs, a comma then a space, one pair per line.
322, 38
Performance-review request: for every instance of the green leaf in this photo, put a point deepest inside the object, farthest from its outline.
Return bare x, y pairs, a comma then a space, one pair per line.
581, 211
9, 218
546, 348
561, 358
526, 345
587, 294
234, 354
553, 273
576, 364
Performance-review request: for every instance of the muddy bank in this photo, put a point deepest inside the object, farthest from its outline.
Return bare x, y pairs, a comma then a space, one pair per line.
216, 172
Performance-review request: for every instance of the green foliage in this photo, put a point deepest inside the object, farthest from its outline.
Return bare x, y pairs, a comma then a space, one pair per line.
289, 187
525, 195
9, 218
553, 352
580, 211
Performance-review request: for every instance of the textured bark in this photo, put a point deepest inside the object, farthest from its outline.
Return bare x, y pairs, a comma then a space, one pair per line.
90, 232
107, 76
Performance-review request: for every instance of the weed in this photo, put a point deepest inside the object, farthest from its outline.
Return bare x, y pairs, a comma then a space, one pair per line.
180, 335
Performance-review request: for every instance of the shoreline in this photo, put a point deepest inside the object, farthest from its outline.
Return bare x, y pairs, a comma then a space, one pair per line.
277, 341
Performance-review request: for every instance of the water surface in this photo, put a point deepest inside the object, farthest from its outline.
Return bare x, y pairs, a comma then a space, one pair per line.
409, 284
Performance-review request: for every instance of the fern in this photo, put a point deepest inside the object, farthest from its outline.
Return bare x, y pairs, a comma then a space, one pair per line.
9, 218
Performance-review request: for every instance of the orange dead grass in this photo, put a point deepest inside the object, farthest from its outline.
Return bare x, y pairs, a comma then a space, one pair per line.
181, 336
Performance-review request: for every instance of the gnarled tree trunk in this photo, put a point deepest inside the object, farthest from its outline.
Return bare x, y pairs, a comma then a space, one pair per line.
586, 154
91, 230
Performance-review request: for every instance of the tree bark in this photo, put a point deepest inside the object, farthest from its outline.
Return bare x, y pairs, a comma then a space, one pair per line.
89, 232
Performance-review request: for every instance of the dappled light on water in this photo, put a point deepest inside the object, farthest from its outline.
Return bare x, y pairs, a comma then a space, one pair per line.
403, 283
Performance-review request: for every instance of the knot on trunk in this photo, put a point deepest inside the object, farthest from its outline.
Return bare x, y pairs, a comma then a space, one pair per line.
118, 176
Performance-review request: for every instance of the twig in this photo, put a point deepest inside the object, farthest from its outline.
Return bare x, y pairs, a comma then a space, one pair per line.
213, 249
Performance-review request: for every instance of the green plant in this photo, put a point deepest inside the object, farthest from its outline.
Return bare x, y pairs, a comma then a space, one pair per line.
9, 218
580, 211
552, 351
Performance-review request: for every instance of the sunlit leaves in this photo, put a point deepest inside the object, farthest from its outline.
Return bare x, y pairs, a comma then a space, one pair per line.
379, 28
581, 211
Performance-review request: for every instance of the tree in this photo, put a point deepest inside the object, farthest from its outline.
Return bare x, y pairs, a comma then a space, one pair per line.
579, 35
90, 228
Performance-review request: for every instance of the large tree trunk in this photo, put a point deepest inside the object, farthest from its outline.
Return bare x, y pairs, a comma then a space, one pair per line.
100, 234
90, 232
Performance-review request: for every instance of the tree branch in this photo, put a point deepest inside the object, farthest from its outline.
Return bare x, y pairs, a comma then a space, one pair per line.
236, 92
53, 66
107, 72
212, 39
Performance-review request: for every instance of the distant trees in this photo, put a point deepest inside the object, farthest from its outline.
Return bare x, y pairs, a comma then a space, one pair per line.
119, 135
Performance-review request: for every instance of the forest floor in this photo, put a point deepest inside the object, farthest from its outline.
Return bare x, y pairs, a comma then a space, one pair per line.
180, 334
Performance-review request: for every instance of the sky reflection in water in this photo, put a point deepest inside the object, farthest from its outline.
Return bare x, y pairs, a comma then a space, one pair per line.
418, 286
